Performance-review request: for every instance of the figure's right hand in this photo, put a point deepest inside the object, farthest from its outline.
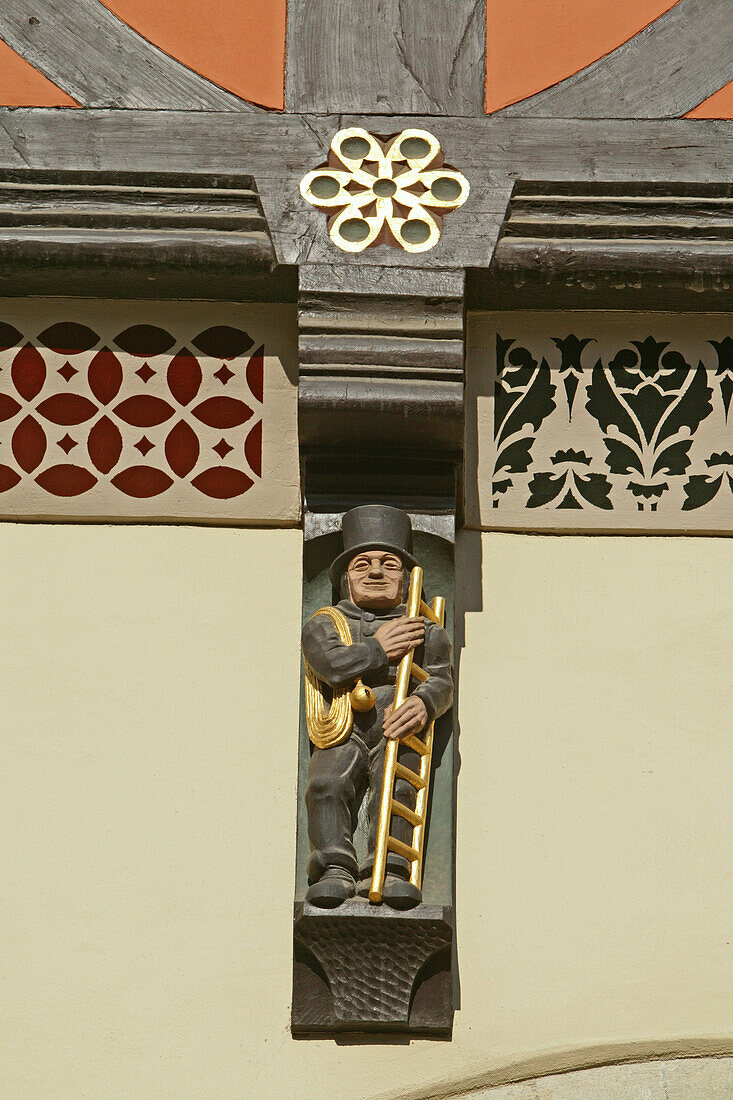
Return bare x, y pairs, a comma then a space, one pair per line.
398, 636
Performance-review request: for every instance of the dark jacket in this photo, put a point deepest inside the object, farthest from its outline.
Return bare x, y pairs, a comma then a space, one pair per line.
340, 665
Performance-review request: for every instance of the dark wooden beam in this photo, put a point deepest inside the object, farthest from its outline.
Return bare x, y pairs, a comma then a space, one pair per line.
102, 62
663, 72
277, 150
381, 374
405, 56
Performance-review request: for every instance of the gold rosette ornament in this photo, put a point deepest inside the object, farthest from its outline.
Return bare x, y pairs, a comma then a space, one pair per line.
392, 191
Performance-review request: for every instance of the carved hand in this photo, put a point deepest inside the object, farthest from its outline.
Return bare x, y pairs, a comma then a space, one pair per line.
411, 717
398, 636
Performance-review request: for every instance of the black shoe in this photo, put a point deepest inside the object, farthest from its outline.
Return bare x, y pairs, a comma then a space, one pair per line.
333, 887
399, 893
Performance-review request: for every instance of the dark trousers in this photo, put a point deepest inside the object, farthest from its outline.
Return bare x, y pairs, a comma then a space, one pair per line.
338, 778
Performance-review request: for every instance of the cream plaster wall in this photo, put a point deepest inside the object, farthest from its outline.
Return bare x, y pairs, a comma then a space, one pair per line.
150, 690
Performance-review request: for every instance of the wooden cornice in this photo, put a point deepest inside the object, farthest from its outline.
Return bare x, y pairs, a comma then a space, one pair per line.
276, 151
127, 234
614, 244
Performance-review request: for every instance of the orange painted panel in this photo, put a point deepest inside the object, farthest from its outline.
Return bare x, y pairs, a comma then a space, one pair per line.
532, 44
23, 86
238, 44
718, 105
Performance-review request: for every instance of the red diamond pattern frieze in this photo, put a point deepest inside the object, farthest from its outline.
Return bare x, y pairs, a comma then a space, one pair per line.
222, 448
144, 445
67, 372
145, 373
66, 444
223, 374
123, 398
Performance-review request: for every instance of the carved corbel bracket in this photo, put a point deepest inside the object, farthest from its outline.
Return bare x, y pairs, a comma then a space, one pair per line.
381, 376
371, 969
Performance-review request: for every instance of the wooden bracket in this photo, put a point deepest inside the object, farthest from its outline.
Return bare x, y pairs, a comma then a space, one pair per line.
381, 378
368, 968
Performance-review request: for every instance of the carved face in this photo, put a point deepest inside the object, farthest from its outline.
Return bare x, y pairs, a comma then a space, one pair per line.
375, 579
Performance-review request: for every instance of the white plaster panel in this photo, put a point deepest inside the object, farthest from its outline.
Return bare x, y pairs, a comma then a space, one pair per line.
150, 679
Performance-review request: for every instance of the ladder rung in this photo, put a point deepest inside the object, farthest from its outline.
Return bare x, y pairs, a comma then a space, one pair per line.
401, 849
411, 777
415, 743
406, 812
428, 612
419, 673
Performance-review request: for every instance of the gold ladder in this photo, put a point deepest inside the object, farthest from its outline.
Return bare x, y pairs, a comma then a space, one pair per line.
393, 769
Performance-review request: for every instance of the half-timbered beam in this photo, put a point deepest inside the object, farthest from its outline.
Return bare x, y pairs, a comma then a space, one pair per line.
670, 67
277, 150
100, 61
406, 56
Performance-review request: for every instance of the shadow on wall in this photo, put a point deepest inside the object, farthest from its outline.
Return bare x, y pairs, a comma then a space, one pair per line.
480, 383
468, 600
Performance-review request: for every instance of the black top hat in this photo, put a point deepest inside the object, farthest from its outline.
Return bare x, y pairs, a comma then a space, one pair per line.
373, 527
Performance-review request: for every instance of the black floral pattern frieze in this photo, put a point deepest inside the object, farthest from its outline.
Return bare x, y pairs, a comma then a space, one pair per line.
701, 488
523, 398
584, 422
648, 402
572, 483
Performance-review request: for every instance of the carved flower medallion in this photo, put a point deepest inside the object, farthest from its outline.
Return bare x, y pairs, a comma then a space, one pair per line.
392, 191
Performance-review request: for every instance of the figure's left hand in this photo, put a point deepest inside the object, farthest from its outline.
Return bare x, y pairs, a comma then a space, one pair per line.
411, 717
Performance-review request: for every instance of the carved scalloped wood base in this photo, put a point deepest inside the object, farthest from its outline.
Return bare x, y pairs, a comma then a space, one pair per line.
370, 968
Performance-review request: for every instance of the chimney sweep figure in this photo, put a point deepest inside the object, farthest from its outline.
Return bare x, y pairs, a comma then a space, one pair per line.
371, 576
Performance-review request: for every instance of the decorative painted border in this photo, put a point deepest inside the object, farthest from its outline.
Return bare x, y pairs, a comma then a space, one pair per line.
138, 410
590, 421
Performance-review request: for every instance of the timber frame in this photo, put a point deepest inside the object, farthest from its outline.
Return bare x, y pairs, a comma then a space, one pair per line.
563, 213
570, 213
678, 158
592, 194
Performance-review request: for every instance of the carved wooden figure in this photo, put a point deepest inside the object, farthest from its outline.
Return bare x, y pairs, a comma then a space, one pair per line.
363, 641
377, 676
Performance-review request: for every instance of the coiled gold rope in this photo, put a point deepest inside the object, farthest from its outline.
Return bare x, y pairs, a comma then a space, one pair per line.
328, 725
